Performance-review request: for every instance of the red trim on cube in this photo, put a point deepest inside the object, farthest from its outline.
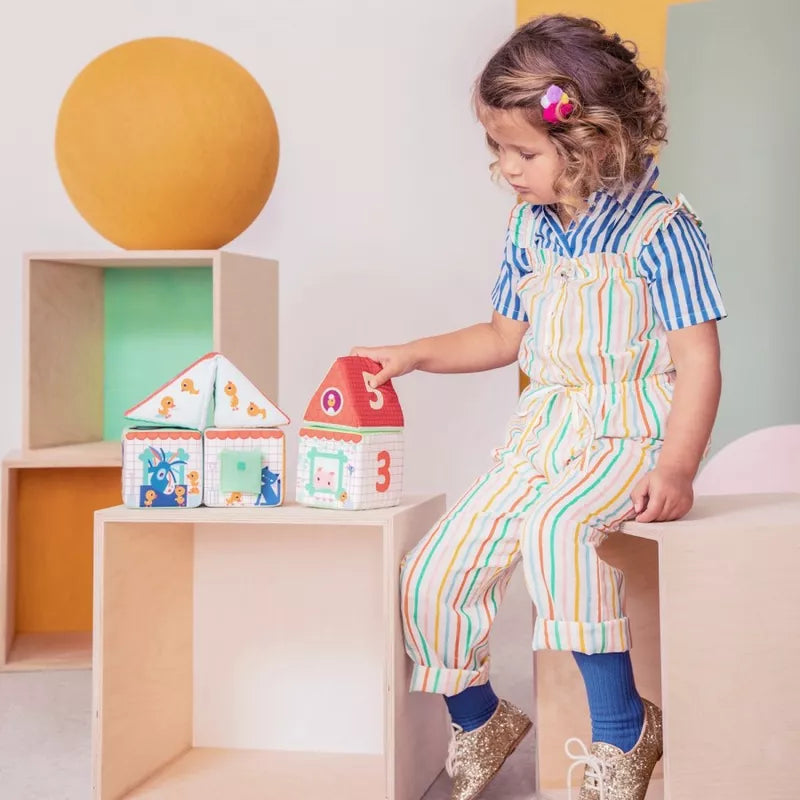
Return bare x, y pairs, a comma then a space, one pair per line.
244, 433
335, 436
153, 434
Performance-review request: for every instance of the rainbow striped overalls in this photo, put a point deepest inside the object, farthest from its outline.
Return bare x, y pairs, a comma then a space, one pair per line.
586, 429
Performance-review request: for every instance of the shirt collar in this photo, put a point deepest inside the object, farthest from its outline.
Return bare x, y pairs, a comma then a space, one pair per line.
632, 197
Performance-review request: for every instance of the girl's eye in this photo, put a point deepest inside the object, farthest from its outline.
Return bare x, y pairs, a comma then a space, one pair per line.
527, 156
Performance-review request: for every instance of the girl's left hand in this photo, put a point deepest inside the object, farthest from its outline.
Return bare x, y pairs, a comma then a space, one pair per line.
663, 495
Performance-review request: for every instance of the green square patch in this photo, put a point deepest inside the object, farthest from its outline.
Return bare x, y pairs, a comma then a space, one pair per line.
240, 471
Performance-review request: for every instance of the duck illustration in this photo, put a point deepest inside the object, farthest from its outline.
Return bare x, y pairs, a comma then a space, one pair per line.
254, 411
180, 495
149, 496
233, 498
230, 390
167, 404
187, 385
194, 481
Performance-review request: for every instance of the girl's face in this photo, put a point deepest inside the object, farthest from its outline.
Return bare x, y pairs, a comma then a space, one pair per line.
527, 157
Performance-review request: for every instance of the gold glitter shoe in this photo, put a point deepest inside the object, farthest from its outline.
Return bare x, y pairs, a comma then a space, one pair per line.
475, 757
610, 774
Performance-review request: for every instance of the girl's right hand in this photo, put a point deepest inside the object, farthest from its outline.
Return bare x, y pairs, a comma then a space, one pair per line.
395, 360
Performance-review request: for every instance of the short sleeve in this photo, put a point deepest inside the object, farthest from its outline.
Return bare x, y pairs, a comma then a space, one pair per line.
513, 267
678, 267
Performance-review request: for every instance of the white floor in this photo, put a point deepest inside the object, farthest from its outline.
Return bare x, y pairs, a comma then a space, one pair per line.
45, 723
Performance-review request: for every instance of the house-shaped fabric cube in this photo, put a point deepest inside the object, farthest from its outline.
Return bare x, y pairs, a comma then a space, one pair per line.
229, 451
342, 469
212, 391
244, 467
351, 445
162, 468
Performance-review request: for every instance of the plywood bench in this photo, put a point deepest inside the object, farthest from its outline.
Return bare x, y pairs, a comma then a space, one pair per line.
714, 601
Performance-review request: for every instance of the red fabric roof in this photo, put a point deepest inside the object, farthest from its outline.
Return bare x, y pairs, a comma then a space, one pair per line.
343, 399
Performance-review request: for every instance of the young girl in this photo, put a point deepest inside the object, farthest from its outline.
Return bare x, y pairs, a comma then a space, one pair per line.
607, 297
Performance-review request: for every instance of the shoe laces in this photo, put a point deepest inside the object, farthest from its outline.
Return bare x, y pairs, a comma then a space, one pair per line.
595, 768
451, 764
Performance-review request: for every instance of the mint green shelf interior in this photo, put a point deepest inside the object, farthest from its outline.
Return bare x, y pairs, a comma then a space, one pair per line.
157, 321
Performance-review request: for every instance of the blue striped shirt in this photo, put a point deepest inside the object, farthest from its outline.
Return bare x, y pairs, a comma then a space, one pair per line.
676, 263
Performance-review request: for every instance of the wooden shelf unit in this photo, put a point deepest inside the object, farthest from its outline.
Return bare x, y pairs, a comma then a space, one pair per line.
213, 773
89, 454
244, 653
46, 555
70, 462
65, 327
41, 651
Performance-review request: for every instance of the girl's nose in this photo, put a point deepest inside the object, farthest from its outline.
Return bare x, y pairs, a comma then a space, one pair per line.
509, 166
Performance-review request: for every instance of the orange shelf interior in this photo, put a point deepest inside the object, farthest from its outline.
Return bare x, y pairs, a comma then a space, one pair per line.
54, 545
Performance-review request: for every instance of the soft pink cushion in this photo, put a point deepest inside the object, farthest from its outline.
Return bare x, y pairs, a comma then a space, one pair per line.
764, 461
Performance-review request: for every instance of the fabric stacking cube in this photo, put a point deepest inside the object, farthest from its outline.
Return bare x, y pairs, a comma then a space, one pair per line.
162, 468
244, 467
351, 443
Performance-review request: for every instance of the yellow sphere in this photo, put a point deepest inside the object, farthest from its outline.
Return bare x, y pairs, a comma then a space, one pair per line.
166, 143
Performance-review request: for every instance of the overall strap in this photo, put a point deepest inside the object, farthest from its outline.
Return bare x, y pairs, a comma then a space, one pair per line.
653, 218
522, 225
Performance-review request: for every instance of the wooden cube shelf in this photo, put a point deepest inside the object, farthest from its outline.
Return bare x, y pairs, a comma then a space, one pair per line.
102, 330
714, 603
46, 554
246, 653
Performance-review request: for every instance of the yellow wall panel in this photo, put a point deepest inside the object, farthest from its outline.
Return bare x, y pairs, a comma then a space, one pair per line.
643, 21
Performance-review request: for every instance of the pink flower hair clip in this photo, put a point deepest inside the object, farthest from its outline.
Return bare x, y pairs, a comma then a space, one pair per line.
556, 105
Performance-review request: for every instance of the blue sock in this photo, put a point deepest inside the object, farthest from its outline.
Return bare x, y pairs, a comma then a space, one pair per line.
473, 707
616, 708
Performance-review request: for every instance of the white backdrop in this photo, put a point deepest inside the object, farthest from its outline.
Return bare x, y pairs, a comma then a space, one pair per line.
383, 218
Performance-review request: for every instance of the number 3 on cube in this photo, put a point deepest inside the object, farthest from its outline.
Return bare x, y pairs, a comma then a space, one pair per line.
384, 476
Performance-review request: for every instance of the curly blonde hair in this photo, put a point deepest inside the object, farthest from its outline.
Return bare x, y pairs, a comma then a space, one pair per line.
618, 123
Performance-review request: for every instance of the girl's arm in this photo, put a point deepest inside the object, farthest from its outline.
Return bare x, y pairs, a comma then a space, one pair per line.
484, 346
666, 493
